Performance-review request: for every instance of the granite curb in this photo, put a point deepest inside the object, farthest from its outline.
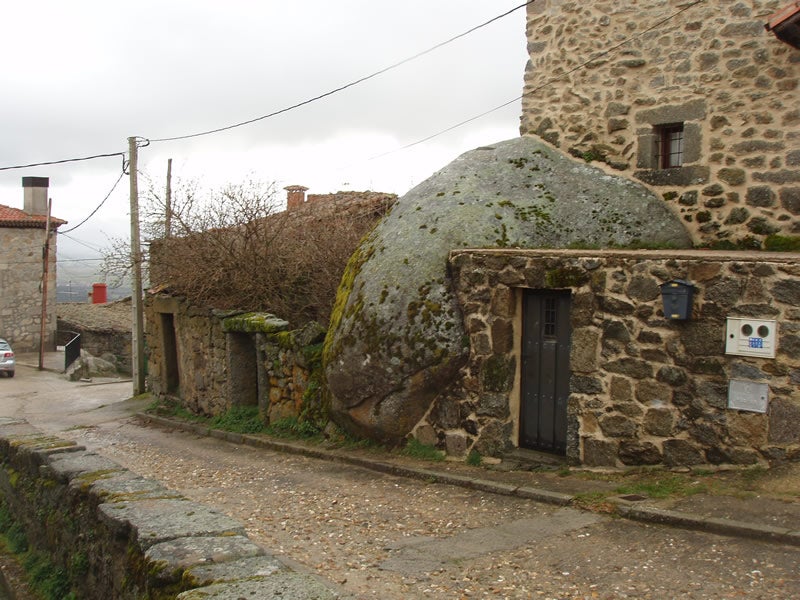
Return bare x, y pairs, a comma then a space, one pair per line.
617, 506
134, 536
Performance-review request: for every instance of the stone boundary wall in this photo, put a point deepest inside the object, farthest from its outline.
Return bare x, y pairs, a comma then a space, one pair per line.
643, 389
120, 536
713, 67
104, 328
21, 300
227, 359
201, 354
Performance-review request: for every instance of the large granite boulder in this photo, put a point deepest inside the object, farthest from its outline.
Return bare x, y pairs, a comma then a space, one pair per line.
396, 339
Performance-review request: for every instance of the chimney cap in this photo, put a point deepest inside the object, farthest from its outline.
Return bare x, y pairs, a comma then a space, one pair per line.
35, 182
296, 188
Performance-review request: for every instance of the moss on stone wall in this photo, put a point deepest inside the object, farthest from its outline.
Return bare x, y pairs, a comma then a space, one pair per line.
254, 322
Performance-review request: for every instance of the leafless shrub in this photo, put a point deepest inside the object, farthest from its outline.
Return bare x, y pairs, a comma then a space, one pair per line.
237, 252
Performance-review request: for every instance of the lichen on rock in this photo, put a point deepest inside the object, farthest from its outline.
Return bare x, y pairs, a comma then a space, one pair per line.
396, 336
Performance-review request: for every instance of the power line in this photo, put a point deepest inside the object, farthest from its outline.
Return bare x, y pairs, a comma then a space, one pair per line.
65, 160
91, 214
38, 262
547, 83
345, 86
91, 247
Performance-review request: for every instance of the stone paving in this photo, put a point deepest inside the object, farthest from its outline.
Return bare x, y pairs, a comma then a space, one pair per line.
380, 535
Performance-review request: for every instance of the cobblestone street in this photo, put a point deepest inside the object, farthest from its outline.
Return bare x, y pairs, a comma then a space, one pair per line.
380, 536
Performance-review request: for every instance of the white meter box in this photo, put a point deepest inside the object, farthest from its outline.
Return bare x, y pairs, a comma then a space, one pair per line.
751, 337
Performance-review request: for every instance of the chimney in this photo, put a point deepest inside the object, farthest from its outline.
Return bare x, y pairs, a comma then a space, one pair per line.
35, 194
295, 196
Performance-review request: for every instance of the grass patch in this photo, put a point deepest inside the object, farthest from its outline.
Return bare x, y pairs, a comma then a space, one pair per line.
49, 581
293, 428
664, 485
474, 458
415, 449
172, 408
594, 502
239, 419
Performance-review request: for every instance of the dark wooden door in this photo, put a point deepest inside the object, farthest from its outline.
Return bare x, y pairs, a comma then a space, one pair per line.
545, 370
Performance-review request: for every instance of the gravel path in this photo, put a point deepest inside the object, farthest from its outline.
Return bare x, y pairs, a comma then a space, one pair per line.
379, 536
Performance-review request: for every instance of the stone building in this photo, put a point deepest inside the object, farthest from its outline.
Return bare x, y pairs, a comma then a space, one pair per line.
699, 101
572, 352
211, 360
22, 239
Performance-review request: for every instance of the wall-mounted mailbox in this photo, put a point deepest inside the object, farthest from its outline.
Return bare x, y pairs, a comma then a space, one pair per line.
751, 337
677, 296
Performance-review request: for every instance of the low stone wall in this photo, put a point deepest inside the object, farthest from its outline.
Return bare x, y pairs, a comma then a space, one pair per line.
643, 389
104, 329
193, 337
292, 363
118, 535
225, 359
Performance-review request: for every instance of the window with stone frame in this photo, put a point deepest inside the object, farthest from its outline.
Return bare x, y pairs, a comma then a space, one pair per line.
669, 145
669, 140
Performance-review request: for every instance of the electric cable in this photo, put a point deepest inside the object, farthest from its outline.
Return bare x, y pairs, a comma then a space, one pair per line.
91, 214
345, 86
91, 247
547, 83
65, 160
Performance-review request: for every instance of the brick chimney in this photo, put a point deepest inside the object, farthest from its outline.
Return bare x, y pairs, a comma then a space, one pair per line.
35, 194
295, 196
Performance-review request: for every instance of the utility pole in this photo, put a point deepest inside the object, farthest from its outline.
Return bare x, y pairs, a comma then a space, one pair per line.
168, 201
137, 333
45, 277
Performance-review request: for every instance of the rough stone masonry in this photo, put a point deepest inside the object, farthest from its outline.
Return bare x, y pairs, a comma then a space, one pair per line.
604, 77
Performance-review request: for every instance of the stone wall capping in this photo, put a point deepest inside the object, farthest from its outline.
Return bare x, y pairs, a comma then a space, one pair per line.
789, 258
137, 538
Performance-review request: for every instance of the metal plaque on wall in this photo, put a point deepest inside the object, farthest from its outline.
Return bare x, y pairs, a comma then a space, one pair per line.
748, 395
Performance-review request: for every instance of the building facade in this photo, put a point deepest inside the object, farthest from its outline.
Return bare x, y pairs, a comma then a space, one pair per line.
22, 239
699, 101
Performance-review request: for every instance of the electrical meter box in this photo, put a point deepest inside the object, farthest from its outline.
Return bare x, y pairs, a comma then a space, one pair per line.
751, 337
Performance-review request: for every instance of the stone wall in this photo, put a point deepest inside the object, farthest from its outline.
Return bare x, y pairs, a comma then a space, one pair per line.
603, 76
199, 376
105, 329
21, 299
643, 389
115, 535
225, 359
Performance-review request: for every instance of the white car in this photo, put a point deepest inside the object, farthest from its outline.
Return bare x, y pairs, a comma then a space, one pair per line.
6, 358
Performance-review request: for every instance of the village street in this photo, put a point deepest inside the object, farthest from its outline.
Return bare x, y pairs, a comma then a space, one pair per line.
378, 536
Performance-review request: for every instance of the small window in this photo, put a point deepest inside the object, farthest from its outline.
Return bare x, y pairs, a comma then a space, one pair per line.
669, 145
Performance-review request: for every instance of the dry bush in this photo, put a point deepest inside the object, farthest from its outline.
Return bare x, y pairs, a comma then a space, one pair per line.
236, 252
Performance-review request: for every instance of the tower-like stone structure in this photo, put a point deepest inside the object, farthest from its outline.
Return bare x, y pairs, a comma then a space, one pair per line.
699, 101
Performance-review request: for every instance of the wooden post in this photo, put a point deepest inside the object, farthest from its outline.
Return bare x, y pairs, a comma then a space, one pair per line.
168, 201
45, 277
137, 332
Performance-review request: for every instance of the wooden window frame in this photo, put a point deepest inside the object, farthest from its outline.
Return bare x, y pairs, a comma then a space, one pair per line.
669, 145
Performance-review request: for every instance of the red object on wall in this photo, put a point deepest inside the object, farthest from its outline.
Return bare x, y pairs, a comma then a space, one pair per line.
99, 293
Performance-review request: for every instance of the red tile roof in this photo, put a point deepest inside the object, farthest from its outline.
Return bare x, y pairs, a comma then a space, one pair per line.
14, 217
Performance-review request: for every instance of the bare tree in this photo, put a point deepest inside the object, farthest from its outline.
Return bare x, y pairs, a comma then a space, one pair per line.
234, 250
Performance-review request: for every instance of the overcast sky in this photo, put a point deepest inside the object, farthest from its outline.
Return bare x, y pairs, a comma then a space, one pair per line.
79, 78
